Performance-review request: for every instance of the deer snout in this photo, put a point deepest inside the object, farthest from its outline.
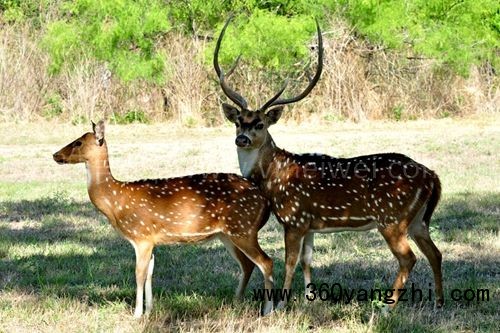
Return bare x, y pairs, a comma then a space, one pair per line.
58, 158
242, 141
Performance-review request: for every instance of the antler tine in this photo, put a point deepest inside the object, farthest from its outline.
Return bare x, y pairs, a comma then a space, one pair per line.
275, 97
230, 71
312, 82
233, 95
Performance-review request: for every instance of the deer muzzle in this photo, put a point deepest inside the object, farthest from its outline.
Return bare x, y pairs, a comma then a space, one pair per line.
58, 158
243, 141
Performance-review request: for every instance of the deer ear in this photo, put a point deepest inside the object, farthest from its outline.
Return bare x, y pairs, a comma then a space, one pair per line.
93, 126
99, 132
230, 112
274, 115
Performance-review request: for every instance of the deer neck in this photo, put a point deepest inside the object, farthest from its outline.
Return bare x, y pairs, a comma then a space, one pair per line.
100, 182
248, 159
255, 163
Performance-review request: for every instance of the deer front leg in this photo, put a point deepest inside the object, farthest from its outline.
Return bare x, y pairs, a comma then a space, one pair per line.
143, 259
293, 244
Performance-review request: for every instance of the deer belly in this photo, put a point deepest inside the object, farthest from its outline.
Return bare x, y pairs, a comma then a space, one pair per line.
329, 222
185, 238
328, 229
186, 233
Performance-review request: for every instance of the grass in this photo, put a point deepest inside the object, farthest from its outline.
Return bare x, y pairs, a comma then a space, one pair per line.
63, 268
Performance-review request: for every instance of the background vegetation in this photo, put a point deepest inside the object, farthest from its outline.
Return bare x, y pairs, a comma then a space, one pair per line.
151, 60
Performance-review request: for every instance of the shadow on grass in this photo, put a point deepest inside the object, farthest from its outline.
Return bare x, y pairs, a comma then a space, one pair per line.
96, 266
38, 210
185, 277
463, 212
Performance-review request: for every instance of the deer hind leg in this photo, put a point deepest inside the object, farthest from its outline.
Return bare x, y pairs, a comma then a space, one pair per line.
293, 245
398, 243
306, 259
251, 248
143, 271
419, 232
246, 265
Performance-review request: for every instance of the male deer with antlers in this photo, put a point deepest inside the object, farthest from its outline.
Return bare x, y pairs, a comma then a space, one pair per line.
318, 193
177, 210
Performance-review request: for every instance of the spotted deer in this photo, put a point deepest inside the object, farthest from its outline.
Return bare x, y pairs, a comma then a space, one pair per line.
312, 193
186, 209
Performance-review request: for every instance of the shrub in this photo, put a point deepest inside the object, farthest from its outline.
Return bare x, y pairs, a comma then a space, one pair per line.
120, 33
266, 40
189, 15
455, 33
133, 116
123, 33
53, 106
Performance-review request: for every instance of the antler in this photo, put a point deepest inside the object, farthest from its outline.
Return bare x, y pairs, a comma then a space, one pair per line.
240, 101
275, 101
274, 98
233, 95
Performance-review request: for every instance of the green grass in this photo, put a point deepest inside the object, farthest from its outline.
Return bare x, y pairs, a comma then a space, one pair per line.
63, 268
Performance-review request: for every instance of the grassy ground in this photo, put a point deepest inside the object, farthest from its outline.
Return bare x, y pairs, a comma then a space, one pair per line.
63, 268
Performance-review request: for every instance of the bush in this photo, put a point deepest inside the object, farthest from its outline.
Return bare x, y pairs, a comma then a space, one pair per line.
123, 33
266, 40
120, 33
34, 11
189, 15
455, 33
458, 33
133, 116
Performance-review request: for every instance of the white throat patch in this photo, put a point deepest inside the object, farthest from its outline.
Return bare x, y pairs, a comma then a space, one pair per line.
247, 158
89, 175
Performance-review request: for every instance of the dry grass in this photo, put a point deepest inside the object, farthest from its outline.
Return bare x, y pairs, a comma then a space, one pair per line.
63, 268
358, 82
23, 77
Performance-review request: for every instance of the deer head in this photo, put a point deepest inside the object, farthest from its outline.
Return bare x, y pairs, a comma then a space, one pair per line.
83, 148
252, 125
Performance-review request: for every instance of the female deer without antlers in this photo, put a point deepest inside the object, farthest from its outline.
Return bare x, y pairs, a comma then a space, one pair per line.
318, 193
177, 210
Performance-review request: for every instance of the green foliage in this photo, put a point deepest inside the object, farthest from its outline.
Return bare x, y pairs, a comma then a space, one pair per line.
13, 14
63, 41
397, 112
133, 116
206, 15
121, 33
270, 33
457, 33
190, 122
79, 119
267, 40
188, 15
53, 107
18, 11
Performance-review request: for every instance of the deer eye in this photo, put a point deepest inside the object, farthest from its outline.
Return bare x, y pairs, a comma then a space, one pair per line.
237, 125
77, 144
259, 126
